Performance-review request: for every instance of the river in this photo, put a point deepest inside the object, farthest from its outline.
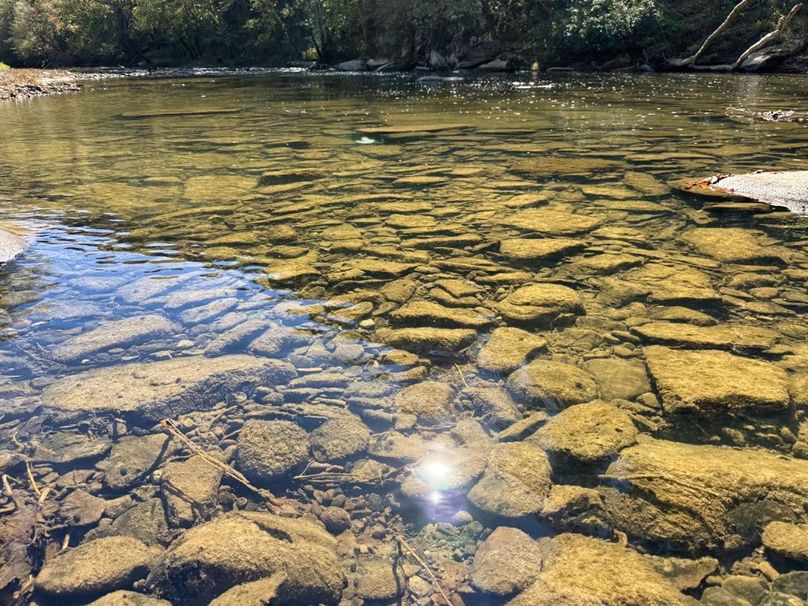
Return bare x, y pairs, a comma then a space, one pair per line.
469, 325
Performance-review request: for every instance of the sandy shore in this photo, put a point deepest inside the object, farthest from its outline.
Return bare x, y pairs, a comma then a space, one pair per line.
20, 84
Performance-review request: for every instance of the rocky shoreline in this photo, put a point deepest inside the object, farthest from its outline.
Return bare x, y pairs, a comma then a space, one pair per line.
23, 84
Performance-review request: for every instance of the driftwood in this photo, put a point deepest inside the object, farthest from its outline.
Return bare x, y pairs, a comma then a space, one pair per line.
766, 41
693, 59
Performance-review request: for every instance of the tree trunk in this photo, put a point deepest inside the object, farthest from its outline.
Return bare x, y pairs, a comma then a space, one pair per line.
693, 59
769, 38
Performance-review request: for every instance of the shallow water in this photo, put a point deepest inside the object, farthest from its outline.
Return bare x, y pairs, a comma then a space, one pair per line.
318, 220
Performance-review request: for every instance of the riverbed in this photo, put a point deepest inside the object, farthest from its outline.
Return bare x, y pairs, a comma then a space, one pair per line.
381, 339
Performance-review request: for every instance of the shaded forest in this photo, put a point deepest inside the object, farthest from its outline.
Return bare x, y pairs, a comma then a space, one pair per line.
402, 34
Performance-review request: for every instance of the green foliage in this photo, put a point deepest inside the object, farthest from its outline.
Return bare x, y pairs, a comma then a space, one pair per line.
50, 32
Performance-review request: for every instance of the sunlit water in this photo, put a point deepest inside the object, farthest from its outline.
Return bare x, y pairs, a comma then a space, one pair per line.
307, 211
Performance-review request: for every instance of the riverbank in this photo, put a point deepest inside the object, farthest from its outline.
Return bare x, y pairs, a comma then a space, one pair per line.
22, 84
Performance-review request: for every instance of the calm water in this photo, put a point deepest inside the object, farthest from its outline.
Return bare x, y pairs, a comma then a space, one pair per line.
370, 233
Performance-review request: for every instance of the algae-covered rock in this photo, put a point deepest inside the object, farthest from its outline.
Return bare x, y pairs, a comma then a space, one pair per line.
716, 381
262, 592
96, 567
128, 598
737, 337
508, 348
583, 570
189, 490
269, 450
787, 540
552, 384
540, 304
240, 547
156, 390
515, 482
432, 314
735, 245
427, 340
430, 401
338, 438
704, 498
554, 221
508, 561
524, 250
586, 433
132, 458
618, 379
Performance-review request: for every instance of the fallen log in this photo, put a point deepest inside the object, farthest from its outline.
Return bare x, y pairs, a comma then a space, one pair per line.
788, 189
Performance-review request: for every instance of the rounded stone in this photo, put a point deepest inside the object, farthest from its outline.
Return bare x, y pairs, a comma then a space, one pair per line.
269, 450
339, 438
95, 568
552, 384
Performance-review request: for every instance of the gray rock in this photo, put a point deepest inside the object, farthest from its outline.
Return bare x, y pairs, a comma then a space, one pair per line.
11, 245
270, 450
235, 337
115, 334
792, 583
166, 389
553, 385
508, 561
96, 567
145, 521
207, 312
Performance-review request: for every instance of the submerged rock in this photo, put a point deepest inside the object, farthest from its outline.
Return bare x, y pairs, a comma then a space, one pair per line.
189, 490
427, 340
552, 384
737, 337
96, 567
507, 349
117, 333
339, 438
540, 304
508, 561
551, 221
131, 459
583, 570
270, 450
787, 540
586, 433
128, 598
242, 547
433, 314
618, 379
736, 244
704, 498
430, 401
532, 249
156, 390
716, 381
515, 482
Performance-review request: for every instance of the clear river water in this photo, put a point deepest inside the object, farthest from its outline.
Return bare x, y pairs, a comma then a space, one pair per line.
465, 331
